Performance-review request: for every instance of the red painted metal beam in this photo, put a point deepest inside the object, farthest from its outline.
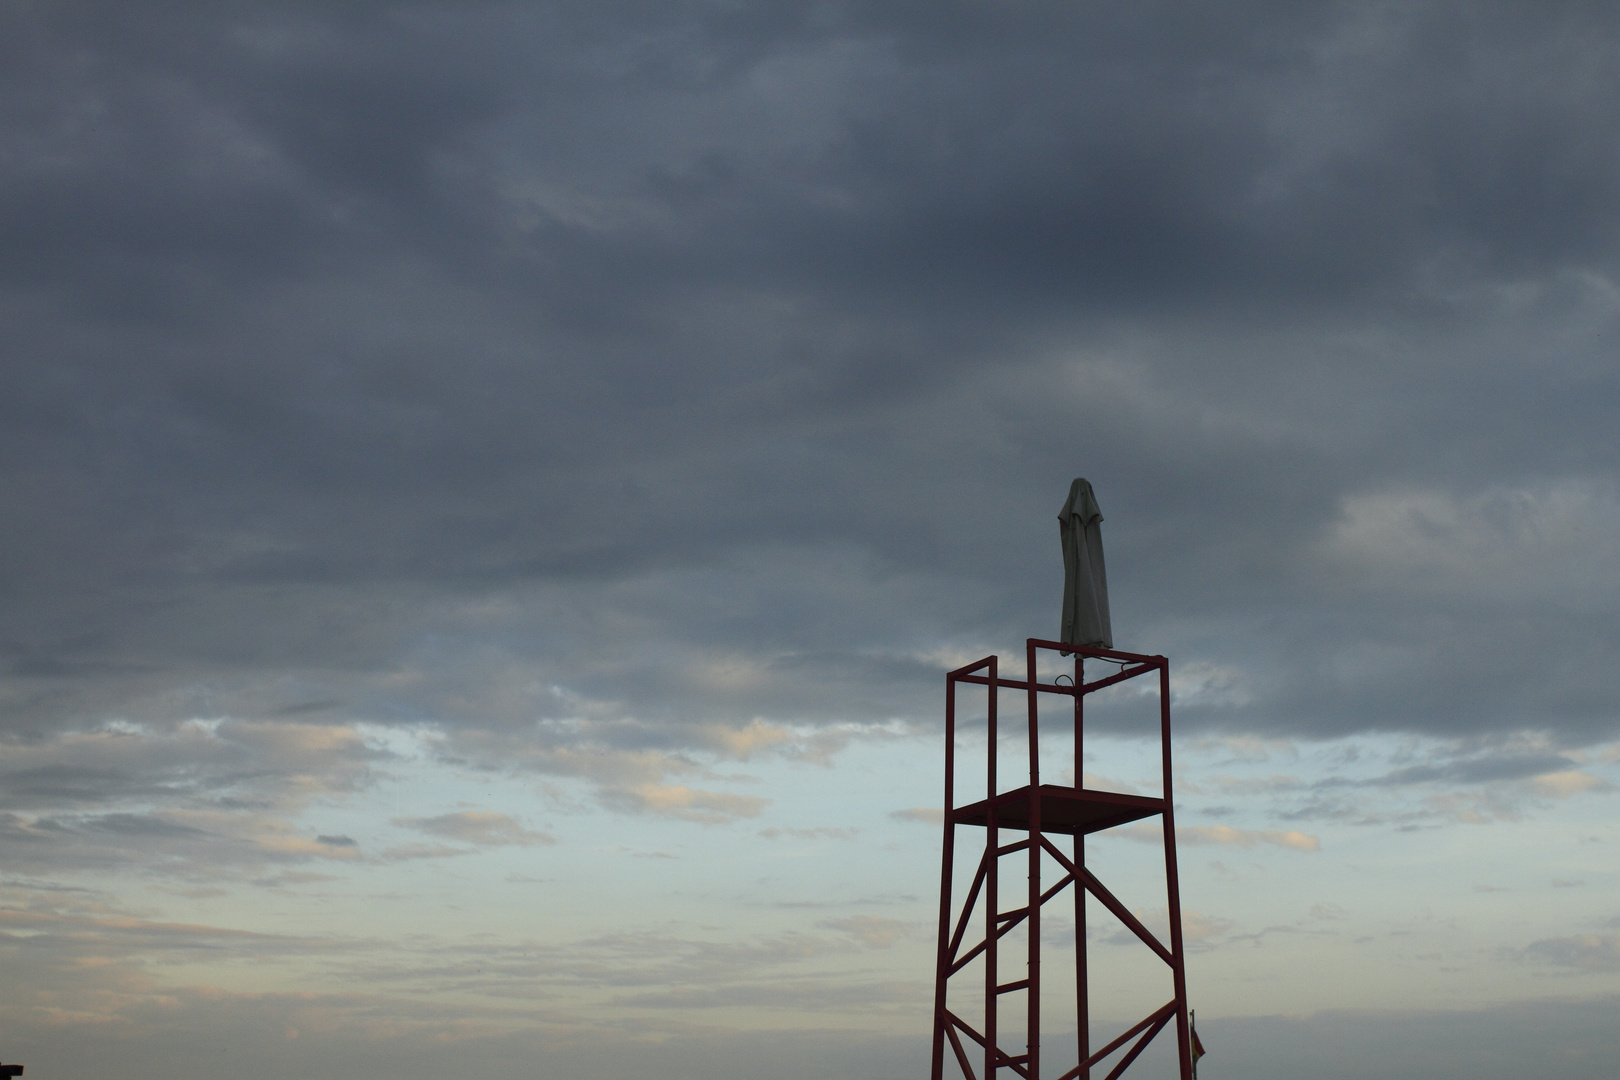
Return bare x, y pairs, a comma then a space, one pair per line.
1158, 1016
1141, 1044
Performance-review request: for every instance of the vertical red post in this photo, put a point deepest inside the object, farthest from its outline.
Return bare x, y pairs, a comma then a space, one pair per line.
992, 895
942, 962
1082, 989
1032, 995
1172, 883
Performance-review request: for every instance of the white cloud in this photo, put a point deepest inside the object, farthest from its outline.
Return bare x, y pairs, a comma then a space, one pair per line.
1246, 838
872, 931
409, 852
926, 815
693, 804
825, 833
1223, 835
481, 827
1562, 785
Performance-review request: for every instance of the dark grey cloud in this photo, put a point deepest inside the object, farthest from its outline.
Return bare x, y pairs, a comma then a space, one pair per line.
194, 800
1478, 770
162, 844
663, 367
212, 765
1583, 952
1387, 783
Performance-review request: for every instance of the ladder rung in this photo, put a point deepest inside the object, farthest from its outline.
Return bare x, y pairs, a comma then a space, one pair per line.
1007, 988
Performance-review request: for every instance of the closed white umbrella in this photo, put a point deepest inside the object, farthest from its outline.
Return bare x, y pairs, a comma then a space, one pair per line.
1085, 582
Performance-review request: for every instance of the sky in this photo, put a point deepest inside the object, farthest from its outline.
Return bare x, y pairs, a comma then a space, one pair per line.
492, 491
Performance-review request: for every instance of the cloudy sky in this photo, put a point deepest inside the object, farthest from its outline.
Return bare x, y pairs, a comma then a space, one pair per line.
491, 492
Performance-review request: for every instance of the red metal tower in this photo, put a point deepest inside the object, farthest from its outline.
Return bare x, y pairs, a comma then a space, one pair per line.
1037, 812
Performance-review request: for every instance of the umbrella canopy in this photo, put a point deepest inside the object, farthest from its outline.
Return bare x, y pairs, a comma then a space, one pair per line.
1085, 582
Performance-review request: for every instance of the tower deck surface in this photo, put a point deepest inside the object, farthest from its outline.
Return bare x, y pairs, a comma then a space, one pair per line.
1064, 810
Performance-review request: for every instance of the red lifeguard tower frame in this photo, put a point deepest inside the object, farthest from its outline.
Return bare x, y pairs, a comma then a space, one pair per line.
1038, 812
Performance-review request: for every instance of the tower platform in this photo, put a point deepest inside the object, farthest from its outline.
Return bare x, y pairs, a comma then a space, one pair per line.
1066, 810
